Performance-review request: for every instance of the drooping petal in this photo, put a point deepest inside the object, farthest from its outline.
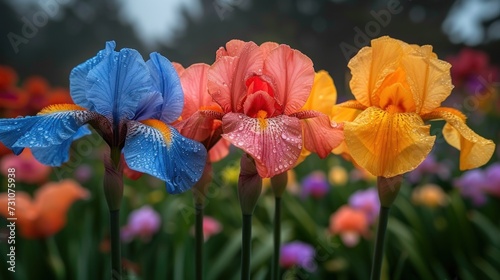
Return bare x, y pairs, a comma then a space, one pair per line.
166, 80
78, 84
219, 150
474, 149
323, 94
320, 135
56, 155
429, 78
51, 129
274, 143
293, 76
227, 76
117, 84
197, 127
158, 149
371, 65
388, 144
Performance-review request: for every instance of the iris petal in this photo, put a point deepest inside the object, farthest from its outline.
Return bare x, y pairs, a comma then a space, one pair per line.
293, 76
159, 150
52, 132
274, 143
56, 155
117, 84
166, 81
78, 83
388, 144
474, 149
320, 136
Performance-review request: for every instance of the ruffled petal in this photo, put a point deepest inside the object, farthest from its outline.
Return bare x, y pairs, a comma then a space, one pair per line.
194, 84
158, 149
320, 135
371, 65
53, 131
227, 76
233, 48
293, 76
274, 143
474, 149
429, 78
78, 84
388, 144
166, 80
117, 84
323, 94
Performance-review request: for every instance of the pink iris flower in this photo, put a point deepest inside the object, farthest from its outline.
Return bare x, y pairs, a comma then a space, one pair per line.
195, 122
261, 90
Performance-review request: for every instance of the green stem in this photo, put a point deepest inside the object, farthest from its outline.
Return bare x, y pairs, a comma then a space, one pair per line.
378, 255
199, 240
246, 246
116, 267
54, 258
277, 238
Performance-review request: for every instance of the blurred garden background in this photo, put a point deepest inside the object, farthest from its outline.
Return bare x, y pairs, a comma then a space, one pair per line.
445, 223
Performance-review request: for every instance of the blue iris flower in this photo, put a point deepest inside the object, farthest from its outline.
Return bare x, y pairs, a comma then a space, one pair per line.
130, 103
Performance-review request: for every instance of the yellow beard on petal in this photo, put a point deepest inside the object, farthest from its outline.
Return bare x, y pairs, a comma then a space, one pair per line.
60, 108
261, 116
160, 126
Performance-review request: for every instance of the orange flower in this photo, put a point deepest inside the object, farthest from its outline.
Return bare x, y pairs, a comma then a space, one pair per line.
350, 224
44, 215
397, 87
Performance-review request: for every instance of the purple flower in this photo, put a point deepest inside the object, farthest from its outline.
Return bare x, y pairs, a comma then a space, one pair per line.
429, 166
315, 185
472, 184
142, 223
367, 201
297, 253
492, 174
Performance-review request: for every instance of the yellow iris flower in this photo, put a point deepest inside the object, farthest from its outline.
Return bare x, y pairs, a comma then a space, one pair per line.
397, 87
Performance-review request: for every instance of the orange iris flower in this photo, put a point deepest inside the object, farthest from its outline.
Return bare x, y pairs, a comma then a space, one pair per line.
44, 215
397, 87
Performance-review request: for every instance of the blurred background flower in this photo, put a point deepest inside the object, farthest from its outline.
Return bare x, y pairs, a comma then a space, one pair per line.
315, 185
350, 224
44, 214
28, 169
142, 223
366, 201
430, 195
298, 254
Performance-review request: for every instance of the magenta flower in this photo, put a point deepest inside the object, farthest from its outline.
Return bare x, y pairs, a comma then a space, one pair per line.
366, 201
143, 223
298, 253
315, 185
